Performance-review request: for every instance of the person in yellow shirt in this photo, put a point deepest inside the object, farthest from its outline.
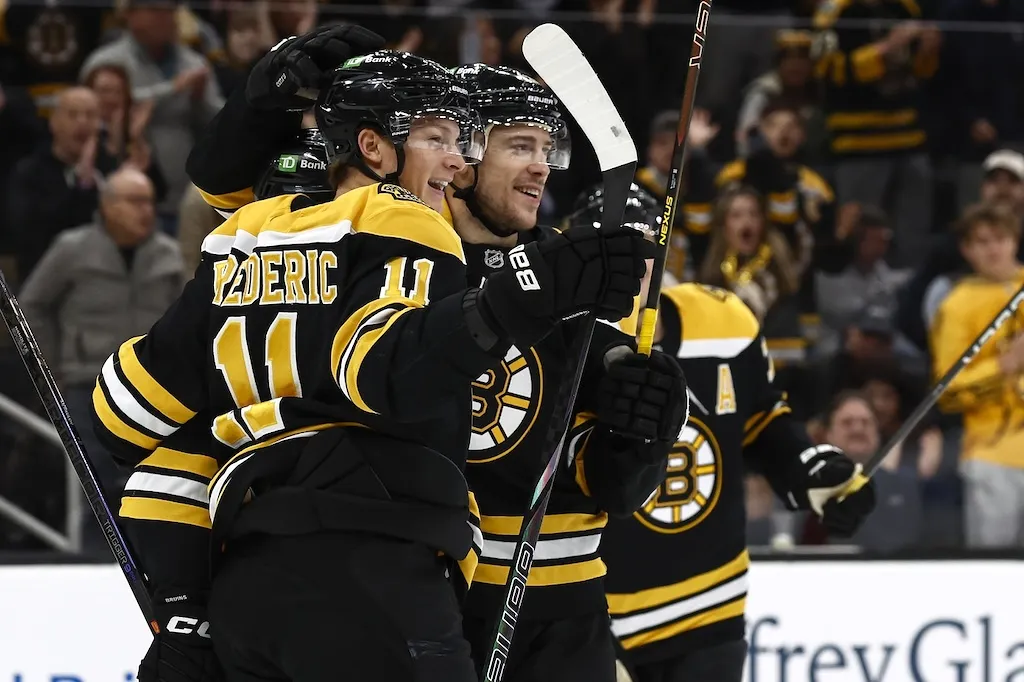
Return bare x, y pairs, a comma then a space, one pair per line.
989, 392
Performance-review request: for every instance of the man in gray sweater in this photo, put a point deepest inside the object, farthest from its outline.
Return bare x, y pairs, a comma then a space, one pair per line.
94, 287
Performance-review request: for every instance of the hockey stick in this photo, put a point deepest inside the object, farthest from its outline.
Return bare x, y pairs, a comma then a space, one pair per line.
52, 401
649, 315
559, 62
1004, 314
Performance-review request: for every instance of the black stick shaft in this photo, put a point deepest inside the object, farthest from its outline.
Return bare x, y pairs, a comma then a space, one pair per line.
648, 317
940, 387
616, 183
53, 402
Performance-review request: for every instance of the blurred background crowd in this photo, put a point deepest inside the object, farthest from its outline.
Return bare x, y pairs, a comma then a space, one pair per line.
853, 175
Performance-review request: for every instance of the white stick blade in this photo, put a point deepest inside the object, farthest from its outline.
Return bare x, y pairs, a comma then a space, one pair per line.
559, 62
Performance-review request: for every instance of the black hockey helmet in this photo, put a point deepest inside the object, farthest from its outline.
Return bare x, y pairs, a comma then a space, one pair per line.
300, 168
504, 96
643, 211
388, 91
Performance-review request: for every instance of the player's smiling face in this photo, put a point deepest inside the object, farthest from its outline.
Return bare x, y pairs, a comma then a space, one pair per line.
512, 175
432, 158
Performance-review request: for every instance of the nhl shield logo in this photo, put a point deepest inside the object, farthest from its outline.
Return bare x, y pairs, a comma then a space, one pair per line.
494, 258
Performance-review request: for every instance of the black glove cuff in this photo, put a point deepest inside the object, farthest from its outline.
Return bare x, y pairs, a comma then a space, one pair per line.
480, 323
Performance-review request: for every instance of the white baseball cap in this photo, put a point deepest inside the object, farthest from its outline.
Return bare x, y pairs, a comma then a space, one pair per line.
1005, 159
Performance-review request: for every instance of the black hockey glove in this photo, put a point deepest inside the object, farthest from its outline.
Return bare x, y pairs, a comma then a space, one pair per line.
302, 63
583, 269
182, 650
829, 474
642, 397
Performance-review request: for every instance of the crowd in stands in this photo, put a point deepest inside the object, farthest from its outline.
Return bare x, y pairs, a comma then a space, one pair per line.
853, 174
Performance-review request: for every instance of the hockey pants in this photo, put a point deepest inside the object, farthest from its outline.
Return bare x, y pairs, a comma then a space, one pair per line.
333, 606
717, 663
567, 650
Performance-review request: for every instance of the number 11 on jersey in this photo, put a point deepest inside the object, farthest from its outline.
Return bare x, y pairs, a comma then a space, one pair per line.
232, 357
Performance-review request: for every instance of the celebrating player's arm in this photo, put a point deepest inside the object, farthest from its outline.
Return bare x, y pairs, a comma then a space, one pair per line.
257, 121
804, 476
635, 405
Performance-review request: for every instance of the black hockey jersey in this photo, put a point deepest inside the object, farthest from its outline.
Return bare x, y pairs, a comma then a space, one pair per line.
513, 404
677, 567
315, 335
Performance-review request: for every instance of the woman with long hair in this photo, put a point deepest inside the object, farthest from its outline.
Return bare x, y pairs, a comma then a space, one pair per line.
747, 255
123, 123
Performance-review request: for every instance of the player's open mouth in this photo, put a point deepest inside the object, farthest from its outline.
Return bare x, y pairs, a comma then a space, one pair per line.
532, 192
439, 185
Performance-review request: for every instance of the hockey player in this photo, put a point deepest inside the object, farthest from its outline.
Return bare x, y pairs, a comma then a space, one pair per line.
629, 410
677, 567
359, 310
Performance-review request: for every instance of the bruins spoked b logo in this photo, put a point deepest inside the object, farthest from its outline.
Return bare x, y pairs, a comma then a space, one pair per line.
692, 484
505, 404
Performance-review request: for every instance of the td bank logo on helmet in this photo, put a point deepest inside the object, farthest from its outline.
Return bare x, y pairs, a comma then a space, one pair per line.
291, 163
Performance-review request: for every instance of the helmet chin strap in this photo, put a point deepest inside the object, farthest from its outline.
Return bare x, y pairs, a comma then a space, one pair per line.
468, 195
392, 177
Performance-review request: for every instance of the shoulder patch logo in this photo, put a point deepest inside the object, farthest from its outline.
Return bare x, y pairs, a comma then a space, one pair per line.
398, 192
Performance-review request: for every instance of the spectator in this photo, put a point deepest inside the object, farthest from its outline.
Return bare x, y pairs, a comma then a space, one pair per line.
892, 395
746, 255
873, 101
896, 521
693, 219
800, 203
739, 48
123, 124
55, 188
249, 36
21, 132
867, 343
867, 280
43, 44
176, 79
1003, 185
791, 80
988, 393
96, 286
293, 17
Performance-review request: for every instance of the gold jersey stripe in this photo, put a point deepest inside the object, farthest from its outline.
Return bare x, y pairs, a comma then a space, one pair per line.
230, 201
116, 425
623, 604
552, 523
166, 458
150, 389
544, 576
